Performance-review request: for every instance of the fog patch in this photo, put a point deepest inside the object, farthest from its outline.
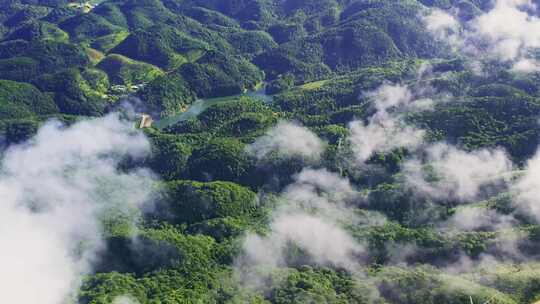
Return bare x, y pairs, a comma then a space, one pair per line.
472, 218
308, 227
527, 189
125, 299
55, 191
509, 32
289, 140
449, 173
385, 130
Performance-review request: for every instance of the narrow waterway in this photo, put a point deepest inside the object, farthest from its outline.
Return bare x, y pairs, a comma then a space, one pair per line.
200, 105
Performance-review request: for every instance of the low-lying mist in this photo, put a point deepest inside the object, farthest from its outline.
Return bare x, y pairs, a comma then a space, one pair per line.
57, 189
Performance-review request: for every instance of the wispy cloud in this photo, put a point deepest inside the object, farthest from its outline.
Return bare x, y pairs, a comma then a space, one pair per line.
509, 31
385, 130
447, 172
288, 139
527, 189
311, 216
55, 189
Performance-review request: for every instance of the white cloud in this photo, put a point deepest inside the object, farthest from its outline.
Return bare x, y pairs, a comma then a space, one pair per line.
53, 191
439, 20
388, 96
320, 190
509, 28
508, 32
125, 299
470, 218
526, 65
527, 189
381, 136
456, 174
311, 216
324, 241
289, 140
385, 131
444, 27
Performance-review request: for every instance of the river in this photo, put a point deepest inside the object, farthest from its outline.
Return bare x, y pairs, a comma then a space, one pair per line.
200, 105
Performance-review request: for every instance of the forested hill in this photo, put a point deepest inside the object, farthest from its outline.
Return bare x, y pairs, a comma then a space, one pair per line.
205, 48
394, 160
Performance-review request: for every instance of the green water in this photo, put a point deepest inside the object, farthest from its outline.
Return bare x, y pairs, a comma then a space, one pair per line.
201, 105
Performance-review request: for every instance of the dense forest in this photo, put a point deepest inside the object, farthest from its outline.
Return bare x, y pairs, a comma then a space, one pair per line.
296, 151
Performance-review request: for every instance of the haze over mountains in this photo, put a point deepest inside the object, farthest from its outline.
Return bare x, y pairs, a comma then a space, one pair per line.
301, 151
